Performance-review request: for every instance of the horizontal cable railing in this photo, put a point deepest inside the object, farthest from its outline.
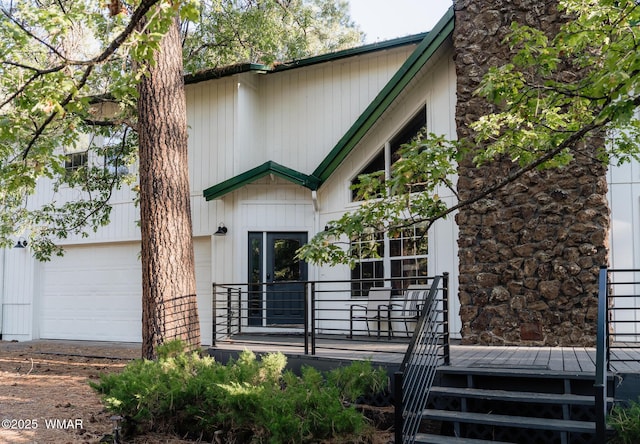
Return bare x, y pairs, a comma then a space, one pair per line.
623, 314
429, 348
328, 315
618, 334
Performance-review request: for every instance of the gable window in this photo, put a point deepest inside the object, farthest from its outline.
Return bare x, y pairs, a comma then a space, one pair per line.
75, 161
402, 256
389, 153
77, 155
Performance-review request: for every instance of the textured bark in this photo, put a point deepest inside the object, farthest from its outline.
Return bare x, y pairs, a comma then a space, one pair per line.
529, 253
169, 309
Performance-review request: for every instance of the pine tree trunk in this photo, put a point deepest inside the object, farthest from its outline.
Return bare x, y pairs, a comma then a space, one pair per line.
169, 309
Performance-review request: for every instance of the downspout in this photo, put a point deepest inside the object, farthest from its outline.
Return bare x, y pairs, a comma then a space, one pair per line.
316, 225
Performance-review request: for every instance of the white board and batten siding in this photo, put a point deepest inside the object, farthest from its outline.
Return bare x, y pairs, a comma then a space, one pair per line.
305, 111
433, 87
624, 243
211, 114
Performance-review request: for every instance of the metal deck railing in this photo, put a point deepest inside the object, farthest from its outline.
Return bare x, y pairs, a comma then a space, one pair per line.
317, 313
618, 330
428, 350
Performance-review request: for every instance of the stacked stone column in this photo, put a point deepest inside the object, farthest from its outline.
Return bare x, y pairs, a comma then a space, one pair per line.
530, 253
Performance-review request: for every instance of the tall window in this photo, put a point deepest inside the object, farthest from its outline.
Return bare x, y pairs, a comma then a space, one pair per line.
403, 253
387, 157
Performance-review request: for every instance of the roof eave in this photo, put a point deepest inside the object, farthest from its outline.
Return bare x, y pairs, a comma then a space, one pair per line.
434, 39
225, 71
269, 167
345, 53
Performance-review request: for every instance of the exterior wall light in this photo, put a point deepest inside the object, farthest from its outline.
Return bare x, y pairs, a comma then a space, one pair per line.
22, 243
222, 230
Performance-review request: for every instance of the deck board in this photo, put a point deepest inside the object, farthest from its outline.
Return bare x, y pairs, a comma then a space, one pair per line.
560, 359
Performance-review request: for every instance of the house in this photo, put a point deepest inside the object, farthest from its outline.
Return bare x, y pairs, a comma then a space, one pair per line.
273, 151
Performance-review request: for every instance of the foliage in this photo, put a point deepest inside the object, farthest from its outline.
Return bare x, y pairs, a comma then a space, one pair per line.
554, 94
68, 74
358, 379
249, 400
266, 32
625, 420
427, 164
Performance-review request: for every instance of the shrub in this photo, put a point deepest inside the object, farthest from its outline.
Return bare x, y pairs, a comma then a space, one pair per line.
625, 420
249, 400
359, 380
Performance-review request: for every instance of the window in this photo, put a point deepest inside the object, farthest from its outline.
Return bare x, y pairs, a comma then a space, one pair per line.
368, 271
408, 254
403, 256
75, 161
77, 155
113, 158
385, 158
403, 253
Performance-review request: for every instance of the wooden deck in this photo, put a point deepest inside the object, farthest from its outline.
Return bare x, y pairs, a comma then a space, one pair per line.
557, 359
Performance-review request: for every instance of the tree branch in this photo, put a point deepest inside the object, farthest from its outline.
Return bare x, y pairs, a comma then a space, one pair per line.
138, 15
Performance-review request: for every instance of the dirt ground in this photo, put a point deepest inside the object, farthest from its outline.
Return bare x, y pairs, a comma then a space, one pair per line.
45, 397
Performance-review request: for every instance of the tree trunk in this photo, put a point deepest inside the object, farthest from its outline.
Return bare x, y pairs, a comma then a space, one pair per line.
169, 309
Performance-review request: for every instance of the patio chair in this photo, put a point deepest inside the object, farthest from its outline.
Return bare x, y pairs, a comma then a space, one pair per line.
410, 308
376, 311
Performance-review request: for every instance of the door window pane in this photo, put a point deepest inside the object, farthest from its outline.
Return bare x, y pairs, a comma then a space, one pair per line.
285, 266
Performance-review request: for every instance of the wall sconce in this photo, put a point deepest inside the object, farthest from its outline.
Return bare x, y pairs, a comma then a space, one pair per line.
222, 230
22, 243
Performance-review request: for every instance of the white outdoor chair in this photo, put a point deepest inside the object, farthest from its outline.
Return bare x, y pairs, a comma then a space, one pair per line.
409, 309
375, 312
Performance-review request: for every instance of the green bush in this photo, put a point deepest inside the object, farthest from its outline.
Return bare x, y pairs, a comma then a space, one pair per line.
625, 420
249, 400
359, 379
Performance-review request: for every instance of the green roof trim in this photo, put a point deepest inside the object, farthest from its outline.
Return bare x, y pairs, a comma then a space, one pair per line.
359, 50
224, 71
256, 173
385, 98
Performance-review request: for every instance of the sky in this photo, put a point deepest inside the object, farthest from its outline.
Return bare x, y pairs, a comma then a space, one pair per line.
387, 19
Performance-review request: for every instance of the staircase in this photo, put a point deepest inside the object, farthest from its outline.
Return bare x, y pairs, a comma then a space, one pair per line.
516, 405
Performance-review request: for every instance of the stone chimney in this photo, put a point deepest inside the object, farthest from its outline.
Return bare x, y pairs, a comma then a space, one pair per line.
529, 254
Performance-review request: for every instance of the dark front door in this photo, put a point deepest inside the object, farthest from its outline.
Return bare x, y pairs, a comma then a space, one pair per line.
276, 288
285, 276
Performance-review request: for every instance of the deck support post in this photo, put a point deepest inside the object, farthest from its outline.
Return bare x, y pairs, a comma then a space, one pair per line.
214, 315
398, 407
229, 311
445, 318
602, 364
313, 317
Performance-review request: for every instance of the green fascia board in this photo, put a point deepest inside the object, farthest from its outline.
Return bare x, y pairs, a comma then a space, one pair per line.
258, 172
345, 53
440, 32
224, 71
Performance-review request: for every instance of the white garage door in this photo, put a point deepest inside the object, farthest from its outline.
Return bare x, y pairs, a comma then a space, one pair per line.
94, 293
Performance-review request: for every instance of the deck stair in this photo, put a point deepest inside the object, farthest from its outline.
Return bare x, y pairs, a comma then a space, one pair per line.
516, 405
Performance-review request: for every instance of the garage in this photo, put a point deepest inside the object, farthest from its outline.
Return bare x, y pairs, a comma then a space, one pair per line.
94, 293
